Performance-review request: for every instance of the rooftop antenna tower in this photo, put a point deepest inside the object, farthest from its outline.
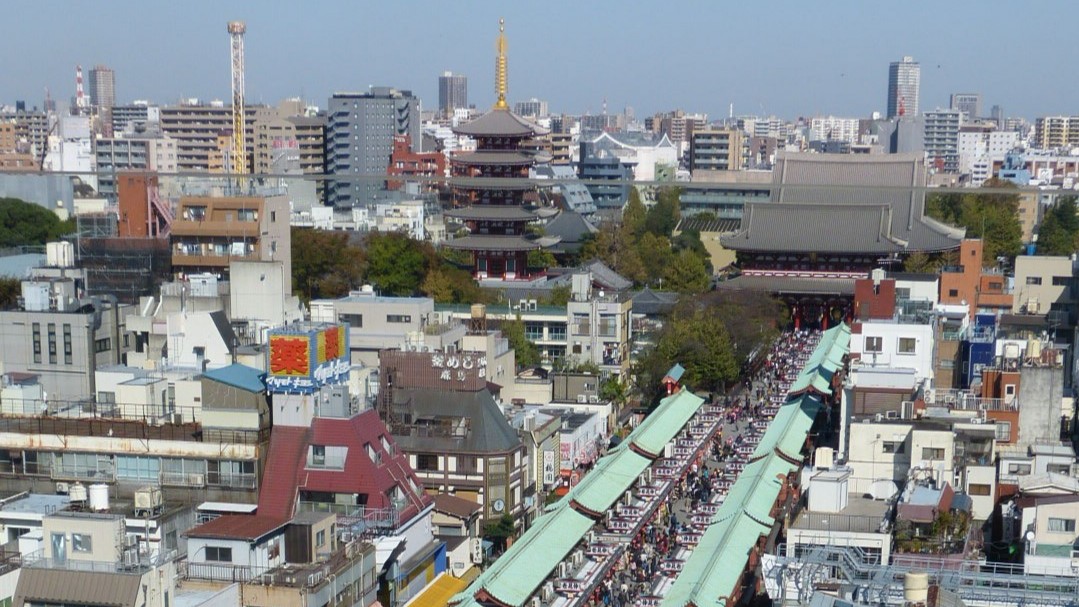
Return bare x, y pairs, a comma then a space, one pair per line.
500, 67
236, 40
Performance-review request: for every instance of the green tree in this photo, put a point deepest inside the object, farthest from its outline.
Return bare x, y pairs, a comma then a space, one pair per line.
541, 259
499, 532
10, 290
634, 213
324, 263
558, 296
992, 217
396, 264
525, 352
663, 217
1058, 233
25, 223
655, 255
686, 273
613, 390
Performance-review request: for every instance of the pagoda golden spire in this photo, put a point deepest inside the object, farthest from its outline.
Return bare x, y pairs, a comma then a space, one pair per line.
500, 67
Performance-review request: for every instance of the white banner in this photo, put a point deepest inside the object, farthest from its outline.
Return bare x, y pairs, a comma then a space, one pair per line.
549, 468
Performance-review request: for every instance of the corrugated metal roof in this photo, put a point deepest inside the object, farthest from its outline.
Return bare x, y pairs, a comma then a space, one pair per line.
514, 577
438, 592
239, 376
608, 481
248, 527
657, 430
61, 586
713, 573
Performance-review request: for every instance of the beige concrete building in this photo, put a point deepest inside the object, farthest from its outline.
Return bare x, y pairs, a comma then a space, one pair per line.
1042, 283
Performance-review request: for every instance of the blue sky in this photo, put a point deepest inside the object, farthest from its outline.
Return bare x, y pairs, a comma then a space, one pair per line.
789, 58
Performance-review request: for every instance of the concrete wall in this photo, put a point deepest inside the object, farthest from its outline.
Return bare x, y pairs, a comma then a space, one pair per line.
890, 333
1037, 298
1040, 404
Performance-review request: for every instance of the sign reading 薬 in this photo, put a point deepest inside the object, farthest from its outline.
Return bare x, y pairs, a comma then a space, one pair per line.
306, 357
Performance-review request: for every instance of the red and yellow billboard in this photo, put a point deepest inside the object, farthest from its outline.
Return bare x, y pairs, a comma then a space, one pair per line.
304, 358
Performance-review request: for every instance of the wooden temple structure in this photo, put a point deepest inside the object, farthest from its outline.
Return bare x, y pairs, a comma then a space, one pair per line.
831, 219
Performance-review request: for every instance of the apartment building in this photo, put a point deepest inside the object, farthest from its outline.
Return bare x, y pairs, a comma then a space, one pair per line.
209, 233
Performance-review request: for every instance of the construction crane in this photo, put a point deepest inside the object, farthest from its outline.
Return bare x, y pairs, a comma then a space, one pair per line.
239, 143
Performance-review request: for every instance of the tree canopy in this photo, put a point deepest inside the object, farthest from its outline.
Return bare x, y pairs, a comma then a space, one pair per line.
327, 264
1058, 233
992, 217
525, 352
711, 336
642, 249
25, 223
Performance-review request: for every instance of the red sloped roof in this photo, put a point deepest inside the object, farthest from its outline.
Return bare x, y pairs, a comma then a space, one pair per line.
286, 458
361, 474
248, 527
287, 473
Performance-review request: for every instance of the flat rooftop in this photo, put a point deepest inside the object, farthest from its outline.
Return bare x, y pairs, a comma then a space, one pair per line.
862, 515
34, 503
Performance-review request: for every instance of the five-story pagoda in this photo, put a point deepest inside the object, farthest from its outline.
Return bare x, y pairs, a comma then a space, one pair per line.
490, 186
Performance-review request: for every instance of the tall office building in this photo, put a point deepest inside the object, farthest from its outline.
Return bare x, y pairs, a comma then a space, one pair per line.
904, 78
452, 92
102, 88
359, 140
970, 104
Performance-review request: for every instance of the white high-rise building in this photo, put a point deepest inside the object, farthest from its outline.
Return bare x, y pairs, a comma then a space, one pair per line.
831, 128
904, 80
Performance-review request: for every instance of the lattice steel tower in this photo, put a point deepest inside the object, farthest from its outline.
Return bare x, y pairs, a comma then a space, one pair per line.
239, 151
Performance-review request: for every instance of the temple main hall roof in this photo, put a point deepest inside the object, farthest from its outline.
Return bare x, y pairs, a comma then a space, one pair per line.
841, 203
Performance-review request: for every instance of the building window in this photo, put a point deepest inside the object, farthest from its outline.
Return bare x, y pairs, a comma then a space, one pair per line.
892, 446
1019, 469
320, 538
933, 453
902, 292
36, 330
318, 455
874, 344
52, 344
81, 542
67, 344
219, 554
978, 489
1003, 431
102, 345
1061, 281
136, 468
354, 321
1058, 468
398, 318
1034, 280
426, 461
1061, 525
907, 345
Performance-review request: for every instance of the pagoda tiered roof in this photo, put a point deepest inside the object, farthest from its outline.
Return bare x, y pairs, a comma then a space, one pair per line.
500, 123
499, 242
492, 212
499, 157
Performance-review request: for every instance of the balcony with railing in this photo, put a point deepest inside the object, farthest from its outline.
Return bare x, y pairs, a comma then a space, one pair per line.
370, 522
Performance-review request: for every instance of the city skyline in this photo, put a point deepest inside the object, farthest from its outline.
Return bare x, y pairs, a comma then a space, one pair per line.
811, 66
